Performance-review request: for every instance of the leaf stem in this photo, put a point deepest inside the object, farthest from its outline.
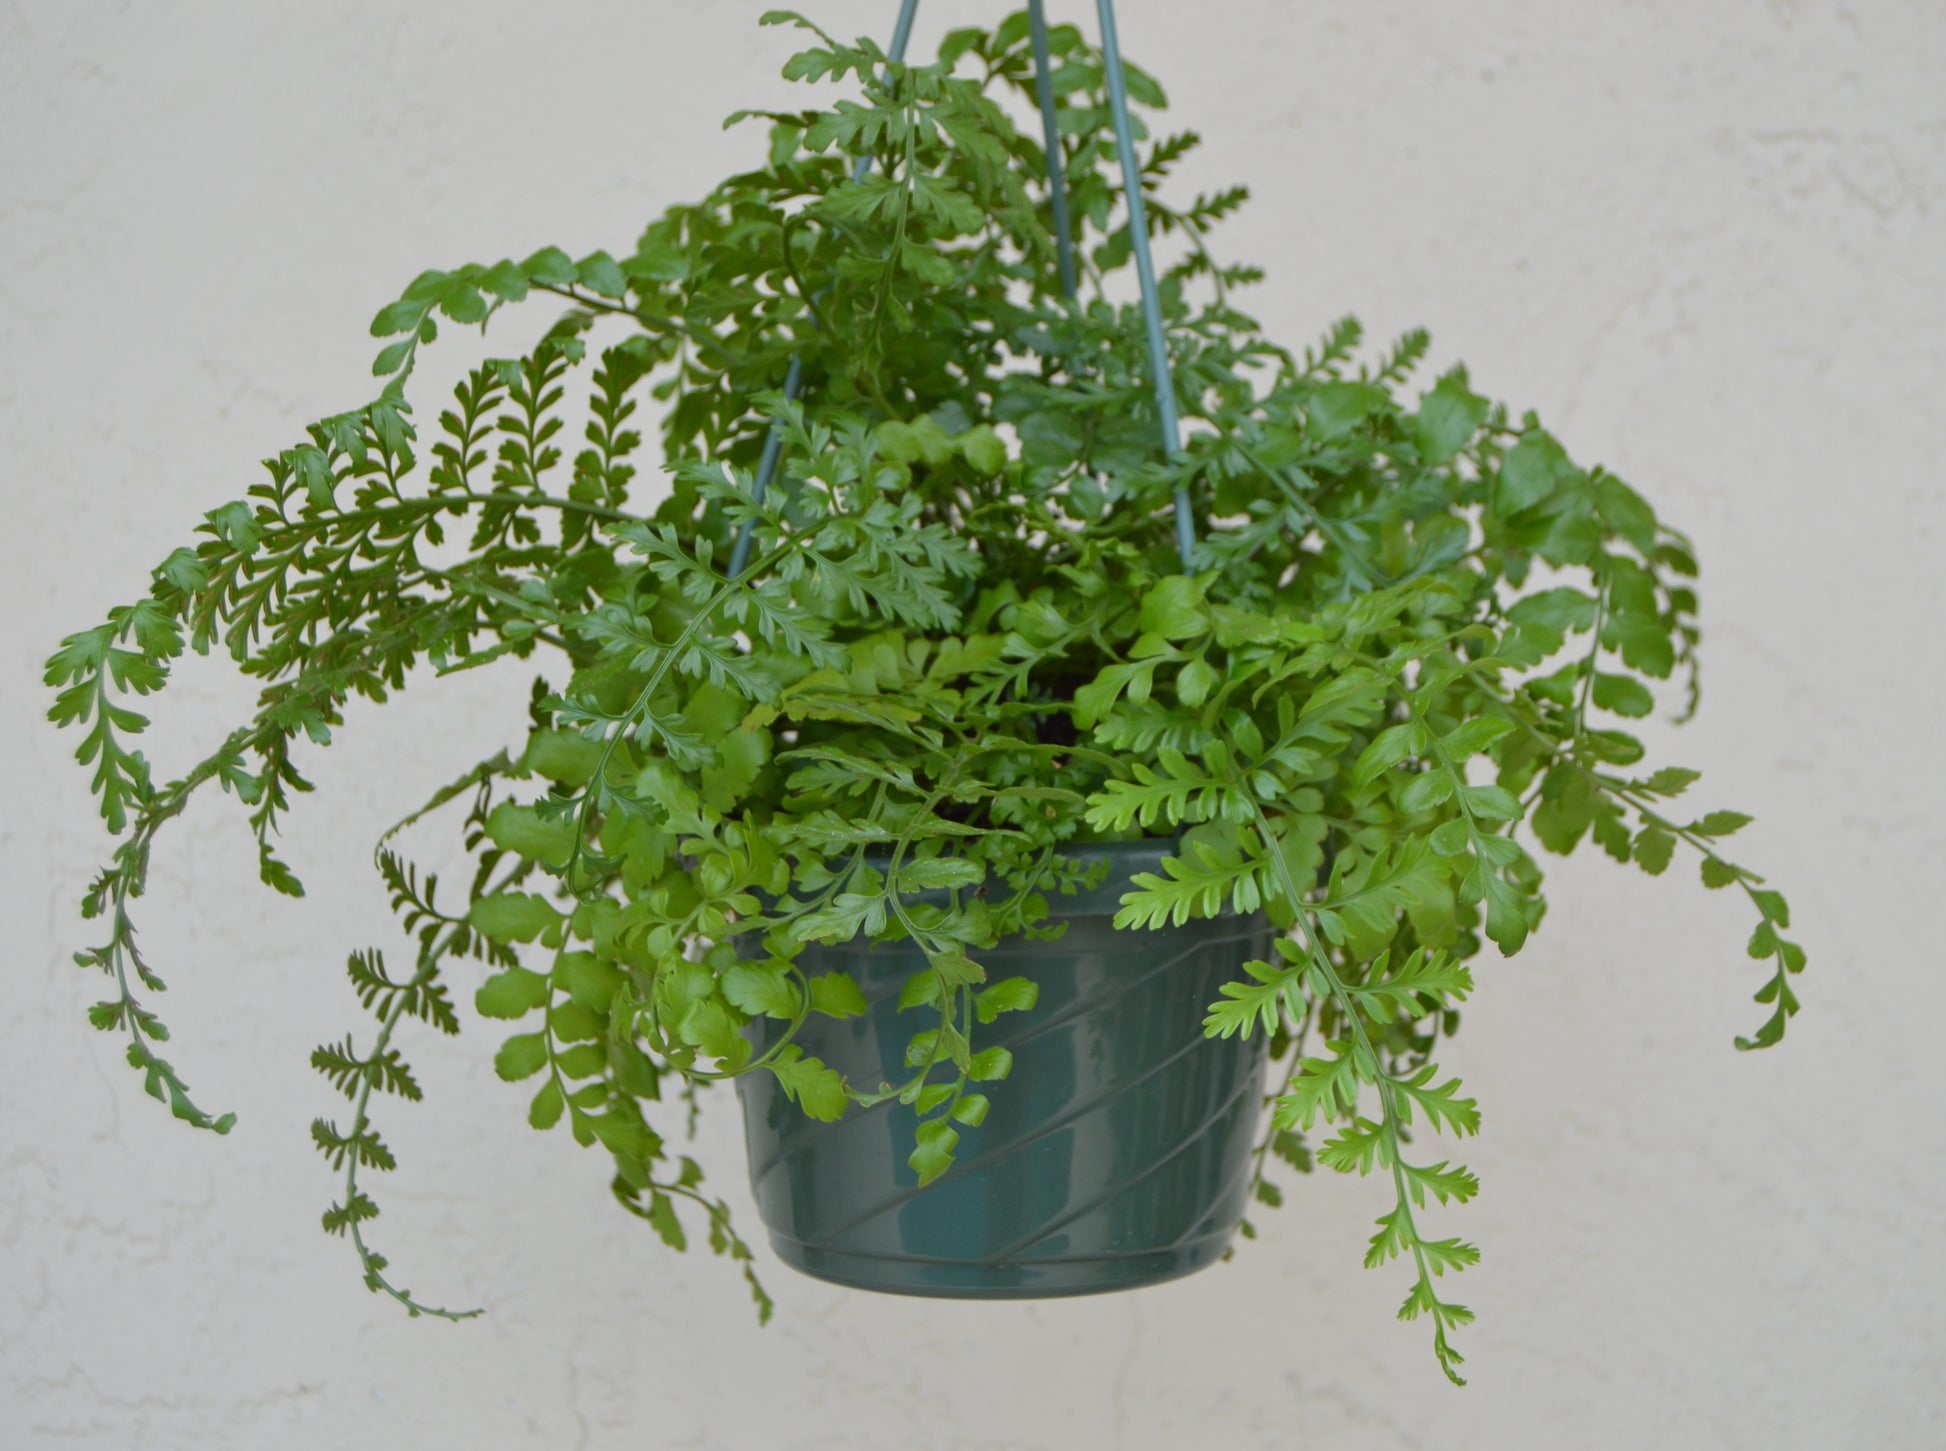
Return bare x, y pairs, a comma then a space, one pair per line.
1449, 1358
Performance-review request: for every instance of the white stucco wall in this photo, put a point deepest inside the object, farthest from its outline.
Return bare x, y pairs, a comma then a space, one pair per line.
1706, 240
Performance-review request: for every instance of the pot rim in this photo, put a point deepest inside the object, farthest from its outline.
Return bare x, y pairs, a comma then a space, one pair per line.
1126, 859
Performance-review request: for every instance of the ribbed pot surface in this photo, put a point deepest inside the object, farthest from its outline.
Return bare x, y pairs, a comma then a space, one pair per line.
1115, 1155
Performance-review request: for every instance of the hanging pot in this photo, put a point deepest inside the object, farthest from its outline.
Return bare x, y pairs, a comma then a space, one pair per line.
1115, 1155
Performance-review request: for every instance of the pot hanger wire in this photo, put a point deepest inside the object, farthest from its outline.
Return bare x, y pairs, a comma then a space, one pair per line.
1165, 393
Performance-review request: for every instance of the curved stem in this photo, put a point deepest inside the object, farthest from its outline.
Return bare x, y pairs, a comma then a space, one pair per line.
374, 1272
1363, 1047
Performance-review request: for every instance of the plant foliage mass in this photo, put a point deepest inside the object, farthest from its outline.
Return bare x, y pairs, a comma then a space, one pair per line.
1402, 663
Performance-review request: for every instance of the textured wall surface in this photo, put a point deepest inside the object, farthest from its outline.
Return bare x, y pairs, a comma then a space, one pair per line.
1706, 241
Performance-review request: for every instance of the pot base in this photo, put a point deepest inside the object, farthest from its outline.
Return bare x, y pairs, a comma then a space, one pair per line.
1020, 1280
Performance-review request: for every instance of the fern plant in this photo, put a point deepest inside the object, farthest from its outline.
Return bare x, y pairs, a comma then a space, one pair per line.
1403, 657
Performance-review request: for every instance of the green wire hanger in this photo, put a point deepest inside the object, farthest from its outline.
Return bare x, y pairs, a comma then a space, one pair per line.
1138, 226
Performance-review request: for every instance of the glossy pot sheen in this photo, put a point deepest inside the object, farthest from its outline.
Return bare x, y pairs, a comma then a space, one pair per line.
1116, 1154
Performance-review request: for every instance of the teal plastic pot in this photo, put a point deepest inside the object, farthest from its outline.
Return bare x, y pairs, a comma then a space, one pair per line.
1115, 1155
